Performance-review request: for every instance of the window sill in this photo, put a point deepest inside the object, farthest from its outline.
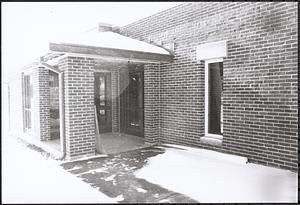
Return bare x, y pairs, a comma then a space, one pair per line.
212, 140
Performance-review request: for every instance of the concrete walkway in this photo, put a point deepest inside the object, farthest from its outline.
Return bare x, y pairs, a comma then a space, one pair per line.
113, 176
119, 142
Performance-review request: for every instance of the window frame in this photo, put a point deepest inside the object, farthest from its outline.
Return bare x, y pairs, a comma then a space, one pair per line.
27, 102
206, 134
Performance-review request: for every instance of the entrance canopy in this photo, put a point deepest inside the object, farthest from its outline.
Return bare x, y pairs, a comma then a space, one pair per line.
108, 45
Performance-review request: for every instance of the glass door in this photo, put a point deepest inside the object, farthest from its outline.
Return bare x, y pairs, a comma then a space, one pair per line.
132, 101
103, 101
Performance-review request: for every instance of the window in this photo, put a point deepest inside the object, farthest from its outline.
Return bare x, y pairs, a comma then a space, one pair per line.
27, 103
102, 91
213, 98
103, 100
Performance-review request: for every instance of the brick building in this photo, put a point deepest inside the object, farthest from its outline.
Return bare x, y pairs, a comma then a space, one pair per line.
221, 76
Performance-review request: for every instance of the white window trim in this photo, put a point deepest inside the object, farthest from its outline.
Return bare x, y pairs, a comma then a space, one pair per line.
208, 135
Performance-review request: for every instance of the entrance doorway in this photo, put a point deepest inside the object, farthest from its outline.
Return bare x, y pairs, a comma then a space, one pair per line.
103, 101
132, 100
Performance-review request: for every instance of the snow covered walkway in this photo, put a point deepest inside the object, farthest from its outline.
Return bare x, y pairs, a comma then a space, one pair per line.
209, 177
157, 174
28, 177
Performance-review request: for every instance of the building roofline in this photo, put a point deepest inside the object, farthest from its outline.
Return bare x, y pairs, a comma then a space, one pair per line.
110, 52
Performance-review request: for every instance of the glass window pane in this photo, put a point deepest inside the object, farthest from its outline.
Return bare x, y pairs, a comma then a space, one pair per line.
136, 91
27, 101
27, 91
215, 87
102, 90
134, 118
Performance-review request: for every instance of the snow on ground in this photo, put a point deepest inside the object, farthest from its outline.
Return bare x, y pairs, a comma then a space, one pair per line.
209, 176
92, 171
28, 177
110, 178
141, 190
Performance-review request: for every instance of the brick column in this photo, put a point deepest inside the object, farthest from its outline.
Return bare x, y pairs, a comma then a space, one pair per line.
151, 103
115, 100
79, 106
41, 92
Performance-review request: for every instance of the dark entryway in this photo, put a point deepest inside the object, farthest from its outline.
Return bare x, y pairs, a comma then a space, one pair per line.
132, 100
215, 89
103, 101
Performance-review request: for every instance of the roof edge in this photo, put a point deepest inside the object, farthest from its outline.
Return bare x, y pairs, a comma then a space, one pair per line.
109, 52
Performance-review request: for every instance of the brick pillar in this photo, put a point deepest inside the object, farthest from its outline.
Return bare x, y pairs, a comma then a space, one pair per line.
115, 100
79, 106
151, 103
41, 92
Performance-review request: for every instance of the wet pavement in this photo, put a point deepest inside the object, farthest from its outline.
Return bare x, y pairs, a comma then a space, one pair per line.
114, 176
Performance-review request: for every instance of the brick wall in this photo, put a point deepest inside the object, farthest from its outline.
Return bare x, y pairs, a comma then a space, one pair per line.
151, 103
260, 76
41, 107
115, 100
79, 106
